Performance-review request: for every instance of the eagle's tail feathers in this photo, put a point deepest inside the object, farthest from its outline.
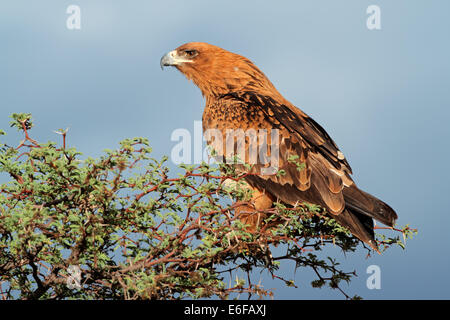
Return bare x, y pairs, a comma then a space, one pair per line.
359, 201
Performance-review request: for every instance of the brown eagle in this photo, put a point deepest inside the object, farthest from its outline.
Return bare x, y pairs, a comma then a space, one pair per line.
240, 97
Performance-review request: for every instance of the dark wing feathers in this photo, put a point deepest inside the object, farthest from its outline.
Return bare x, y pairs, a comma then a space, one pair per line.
359, 225
324, 166
325, 178
297, 123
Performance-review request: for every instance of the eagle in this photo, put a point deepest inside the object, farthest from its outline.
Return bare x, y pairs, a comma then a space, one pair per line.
310, 167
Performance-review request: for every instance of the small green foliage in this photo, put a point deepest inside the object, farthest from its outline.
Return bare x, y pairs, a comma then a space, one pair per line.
294, 159
21, 120
135, 232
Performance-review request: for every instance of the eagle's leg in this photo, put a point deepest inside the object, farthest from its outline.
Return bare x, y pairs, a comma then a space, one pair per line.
252, 213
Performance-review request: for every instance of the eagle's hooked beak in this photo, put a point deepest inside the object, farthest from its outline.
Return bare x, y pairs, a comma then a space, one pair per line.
167, 60
172, 59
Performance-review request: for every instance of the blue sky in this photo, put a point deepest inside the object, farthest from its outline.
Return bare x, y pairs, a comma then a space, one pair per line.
383, 95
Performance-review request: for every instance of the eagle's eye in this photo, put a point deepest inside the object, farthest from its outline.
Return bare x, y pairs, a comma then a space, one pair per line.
191, 53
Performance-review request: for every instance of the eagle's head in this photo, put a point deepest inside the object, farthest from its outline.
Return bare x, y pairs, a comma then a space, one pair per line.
216, 71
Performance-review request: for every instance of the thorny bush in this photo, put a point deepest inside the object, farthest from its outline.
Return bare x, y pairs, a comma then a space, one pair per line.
121, 227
